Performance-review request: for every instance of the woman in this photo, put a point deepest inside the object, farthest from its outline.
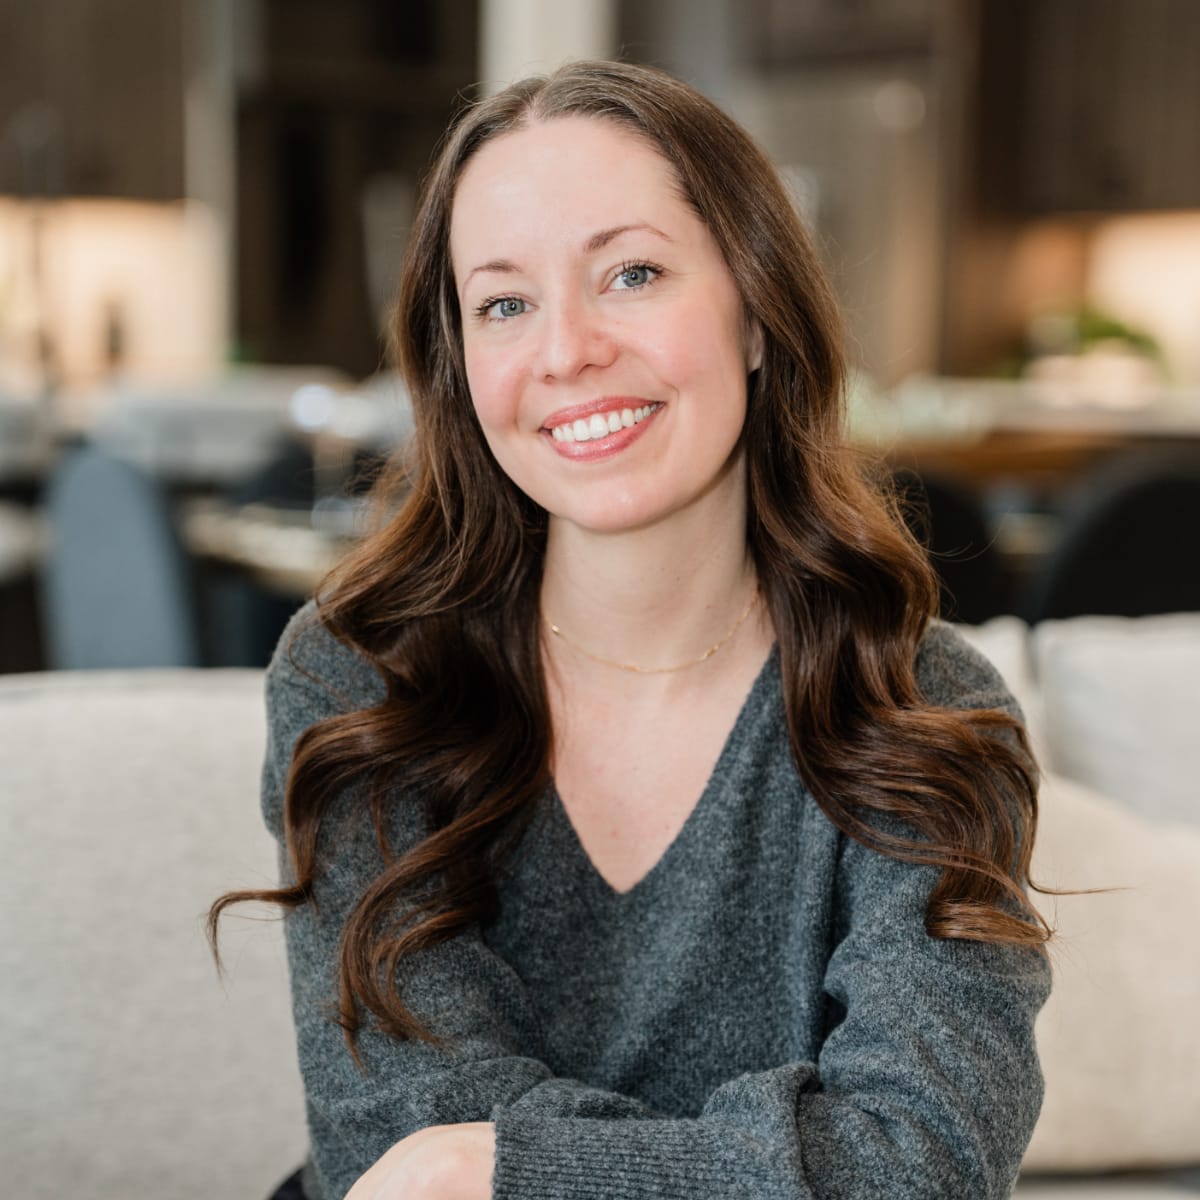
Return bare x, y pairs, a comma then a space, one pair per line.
643, 834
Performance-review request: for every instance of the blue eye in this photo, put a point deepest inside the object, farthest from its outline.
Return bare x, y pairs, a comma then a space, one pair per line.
501, 308
636, 275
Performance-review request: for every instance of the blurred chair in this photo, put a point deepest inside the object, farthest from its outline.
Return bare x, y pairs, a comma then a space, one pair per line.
949, 519
116, 587
1129, 543
287, 477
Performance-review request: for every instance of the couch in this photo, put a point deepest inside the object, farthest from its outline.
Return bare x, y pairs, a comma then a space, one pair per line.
129, 801
1113, 709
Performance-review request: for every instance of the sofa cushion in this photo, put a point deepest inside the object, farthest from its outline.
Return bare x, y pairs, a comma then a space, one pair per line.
1122, 708
1119, 1037
130, 801
1132, 1185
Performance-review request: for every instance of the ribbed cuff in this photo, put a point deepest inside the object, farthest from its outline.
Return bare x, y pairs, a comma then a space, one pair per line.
539, 1156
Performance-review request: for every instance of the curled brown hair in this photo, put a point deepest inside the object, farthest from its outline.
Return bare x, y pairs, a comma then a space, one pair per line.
443, 600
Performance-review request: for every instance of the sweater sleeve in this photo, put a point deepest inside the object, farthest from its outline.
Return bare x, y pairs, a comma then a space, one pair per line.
928, 1086
465, 992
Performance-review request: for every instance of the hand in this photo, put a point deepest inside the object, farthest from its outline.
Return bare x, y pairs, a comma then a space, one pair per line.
443, 1162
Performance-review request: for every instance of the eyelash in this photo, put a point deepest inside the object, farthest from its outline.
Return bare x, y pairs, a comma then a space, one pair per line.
482, 310
656, 272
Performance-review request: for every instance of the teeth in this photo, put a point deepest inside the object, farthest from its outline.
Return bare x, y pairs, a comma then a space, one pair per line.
600, 425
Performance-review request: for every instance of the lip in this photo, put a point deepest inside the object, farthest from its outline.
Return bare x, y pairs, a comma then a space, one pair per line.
565, 416
605, 447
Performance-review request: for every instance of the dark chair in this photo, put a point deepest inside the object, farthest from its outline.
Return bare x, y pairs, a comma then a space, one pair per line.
1129, 543
116, 589
288, 478
949, 519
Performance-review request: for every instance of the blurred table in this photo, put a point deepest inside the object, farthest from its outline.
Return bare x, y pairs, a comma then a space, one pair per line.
279, 548
1041, 460
996, 430
211, 433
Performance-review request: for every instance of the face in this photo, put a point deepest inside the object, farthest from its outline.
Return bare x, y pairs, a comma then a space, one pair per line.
605, 346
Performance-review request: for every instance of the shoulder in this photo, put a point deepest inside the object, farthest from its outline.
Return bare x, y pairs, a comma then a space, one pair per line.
312, 676
314, 671
951, 673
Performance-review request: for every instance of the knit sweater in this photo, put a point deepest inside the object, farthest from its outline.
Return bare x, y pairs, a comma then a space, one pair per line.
762, 1016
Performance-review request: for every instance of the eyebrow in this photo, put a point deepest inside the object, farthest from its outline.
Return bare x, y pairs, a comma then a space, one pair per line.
504, 266
599, 240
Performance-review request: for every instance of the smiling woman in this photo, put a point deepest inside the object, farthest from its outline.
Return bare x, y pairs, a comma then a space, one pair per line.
643, 833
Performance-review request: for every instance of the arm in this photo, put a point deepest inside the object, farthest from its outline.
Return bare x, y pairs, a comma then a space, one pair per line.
928, 1087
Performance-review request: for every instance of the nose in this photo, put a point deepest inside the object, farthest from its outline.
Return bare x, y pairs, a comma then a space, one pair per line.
574, 336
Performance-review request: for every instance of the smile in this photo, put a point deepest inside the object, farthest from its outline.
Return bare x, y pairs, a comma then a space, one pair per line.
602, 424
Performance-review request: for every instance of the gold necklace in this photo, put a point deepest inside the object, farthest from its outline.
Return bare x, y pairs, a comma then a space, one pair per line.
694, 662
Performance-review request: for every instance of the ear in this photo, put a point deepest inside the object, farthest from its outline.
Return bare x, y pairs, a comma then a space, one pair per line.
754, 345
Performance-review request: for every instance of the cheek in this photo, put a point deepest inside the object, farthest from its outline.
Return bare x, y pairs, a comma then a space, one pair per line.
704, 347
490, 386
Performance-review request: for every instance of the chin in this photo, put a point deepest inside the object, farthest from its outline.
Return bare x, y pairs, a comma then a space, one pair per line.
612, 518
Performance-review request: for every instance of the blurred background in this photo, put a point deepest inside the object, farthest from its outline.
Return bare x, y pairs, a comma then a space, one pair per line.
204, 205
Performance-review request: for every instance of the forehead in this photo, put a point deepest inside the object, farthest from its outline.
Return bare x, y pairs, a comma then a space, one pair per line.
559, 179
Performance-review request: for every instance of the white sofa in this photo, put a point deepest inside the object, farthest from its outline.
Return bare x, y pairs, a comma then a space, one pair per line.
130, 800
1113, 709
130, 1070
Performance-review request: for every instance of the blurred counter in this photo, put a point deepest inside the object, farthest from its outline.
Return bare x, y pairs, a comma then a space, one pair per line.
995, 429
283, 549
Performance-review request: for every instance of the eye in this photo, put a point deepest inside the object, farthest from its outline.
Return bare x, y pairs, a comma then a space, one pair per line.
501, 308
636, 275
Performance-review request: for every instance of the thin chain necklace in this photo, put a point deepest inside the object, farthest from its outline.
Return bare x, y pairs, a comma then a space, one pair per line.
694, 662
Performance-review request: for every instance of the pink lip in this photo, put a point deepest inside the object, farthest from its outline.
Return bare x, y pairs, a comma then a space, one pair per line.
565, 416
604, 447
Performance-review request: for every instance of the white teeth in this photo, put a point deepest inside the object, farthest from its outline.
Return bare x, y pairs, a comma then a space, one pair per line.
600, 425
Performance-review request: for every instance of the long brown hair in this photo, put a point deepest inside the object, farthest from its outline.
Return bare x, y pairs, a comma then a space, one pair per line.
443, 600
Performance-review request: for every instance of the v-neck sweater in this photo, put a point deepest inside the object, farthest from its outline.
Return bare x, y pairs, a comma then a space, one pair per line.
761, 1016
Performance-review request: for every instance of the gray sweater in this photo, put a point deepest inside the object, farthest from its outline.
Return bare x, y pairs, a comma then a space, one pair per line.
763, 1016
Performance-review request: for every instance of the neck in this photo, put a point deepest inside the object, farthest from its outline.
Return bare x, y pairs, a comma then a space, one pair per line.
656, 597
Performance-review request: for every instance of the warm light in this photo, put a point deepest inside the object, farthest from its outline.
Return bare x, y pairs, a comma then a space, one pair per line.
1146, 271
131, 288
